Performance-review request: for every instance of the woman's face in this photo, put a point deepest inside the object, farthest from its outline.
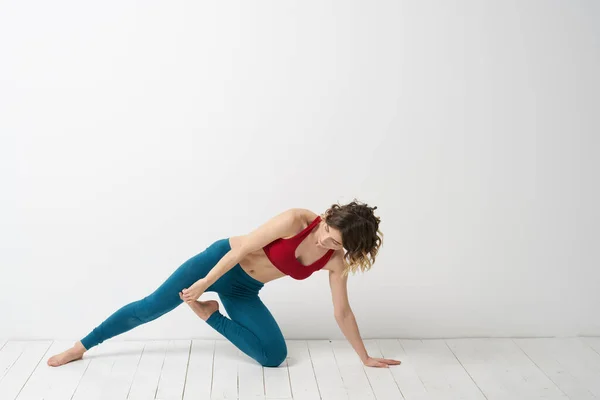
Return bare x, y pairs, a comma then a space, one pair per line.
328, 237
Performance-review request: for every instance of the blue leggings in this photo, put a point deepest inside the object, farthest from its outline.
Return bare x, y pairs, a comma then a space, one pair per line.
252, 328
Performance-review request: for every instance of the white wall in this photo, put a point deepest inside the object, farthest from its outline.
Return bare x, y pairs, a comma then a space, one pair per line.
135, 135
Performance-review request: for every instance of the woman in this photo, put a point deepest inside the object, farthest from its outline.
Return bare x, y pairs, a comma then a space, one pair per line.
297, 243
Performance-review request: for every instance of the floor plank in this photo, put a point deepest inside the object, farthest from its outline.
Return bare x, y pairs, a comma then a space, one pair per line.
172, 376
439, 370
351, 369
199, 375
251, 378
225, 375
302, 375
277, 382
593, 342
569, 362
127, 355
410, 384
23, 367
381, 379
94, 382
329, 380
9, 354
146, 379
110, 372
502, 371
54, 383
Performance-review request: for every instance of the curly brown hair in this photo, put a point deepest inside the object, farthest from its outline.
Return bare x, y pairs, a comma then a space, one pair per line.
361, 236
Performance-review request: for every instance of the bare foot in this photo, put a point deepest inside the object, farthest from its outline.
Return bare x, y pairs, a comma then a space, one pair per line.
204, 309
72, 354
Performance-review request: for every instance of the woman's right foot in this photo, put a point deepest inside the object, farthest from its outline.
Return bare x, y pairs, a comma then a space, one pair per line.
204, 309
72, 354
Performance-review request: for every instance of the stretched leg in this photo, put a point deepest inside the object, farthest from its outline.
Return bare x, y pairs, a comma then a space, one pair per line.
252, 329
164, 299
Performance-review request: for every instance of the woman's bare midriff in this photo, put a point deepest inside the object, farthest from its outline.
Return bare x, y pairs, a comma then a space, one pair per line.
256, 264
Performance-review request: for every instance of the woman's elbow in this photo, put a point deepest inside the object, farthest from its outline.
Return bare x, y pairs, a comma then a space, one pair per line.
342, 313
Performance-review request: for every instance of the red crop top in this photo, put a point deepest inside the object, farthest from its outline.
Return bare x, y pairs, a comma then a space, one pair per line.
282, 253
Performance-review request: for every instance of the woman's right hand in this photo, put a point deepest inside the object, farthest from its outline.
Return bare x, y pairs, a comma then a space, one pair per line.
194, 292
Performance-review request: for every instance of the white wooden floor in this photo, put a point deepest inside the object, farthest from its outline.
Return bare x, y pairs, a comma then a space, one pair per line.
559, 368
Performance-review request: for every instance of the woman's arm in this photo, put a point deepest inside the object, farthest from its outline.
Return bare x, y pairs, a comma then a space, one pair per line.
345, 317
343, 313
280, 225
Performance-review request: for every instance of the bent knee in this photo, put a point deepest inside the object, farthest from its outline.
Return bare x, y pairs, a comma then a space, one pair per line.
274, 356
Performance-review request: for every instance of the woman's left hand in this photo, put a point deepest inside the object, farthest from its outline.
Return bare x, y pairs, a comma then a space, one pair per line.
193, 292
380, 362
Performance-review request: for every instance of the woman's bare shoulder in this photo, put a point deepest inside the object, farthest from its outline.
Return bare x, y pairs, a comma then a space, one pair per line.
306, 215
300, 219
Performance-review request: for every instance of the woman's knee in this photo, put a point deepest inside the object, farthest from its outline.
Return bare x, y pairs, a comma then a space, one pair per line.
274, 354
149, 308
